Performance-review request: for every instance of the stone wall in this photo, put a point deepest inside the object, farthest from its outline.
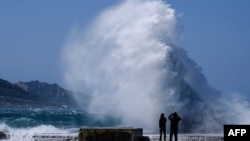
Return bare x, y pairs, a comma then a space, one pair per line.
110, 134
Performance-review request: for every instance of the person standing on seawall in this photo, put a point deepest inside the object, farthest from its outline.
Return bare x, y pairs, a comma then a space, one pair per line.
162, 126
174, 118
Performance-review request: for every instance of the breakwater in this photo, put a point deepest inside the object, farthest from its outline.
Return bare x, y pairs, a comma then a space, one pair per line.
150, 138
121, 134
191, 137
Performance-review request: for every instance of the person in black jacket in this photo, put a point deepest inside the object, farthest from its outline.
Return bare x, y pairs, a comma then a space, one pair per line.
174, 118
162, 126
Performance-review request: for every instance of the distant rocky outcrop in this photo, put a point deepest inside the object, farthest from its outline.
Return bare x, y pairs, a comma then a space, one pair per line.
12, 96
52, 92
36, 94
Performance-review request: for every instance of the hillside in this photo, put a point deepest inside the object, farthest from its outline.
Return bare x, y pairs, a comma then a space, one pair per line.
52, 92
12, 96
37, 94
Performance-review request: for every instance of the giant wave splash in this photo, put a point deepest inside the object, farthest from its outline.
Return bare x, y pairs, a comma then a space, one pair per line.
128, 61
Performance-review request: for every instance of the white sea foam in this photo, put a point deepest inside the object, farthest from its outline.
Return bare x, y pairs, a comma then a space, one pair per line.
26, 134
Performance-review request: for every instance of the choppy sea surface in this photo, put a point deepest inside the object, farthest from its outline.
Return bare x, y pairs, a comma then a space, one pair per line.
23, 124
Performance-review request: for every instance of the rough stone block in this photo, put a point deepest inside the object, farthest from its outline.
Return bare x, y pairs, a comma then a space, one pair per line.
4, 135
110, 134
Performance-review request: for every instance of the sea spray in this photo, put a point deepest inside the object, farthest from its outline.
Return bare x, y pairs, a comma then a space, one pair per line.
127, 61
120, 61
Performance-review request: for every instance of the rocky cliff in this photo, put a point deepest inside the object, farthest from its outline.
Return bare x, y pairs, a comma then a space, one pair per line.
36, 94
52, 92
12, 96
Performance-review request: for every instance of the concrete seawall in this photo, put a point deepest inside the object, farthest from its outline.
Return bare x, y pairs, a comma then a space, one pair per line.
146, 138
121, 134
190, 137
54, 137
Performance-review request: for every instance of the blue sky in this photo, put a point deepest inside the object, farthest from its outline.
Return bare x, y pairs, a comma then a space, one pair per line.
216, 36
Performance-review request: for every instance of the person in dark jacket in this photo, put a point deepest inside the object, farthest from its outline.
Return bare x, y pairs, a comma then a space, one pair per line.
162, 126
174, 118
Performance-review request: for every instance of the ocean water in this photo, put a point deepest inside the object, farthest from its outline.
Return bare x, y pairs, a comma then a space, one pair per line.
23, 124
